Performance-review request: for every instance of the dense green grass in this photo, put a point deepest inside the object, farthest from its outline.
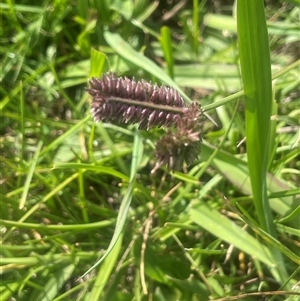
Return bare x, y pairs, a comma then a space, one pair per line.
75, 193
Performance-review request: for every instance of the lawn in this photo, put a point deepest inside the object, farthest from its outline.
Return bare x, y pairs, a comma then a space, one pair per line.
186, 190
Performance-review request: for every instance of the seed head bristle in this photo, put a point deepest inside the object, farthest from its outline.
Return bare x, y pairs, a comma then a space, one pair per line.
123, 100
118, 100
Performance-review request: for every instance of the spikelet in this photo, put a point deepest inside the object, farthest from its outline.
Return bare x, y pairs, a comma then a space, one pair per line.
123, 100
182, 145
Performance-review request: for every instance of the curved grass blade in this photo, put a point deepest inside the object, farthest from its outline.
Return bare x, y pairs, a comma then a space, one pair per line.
126, 201
105, 271
55, 283
270, 239
220, 226
121, 47
94, 168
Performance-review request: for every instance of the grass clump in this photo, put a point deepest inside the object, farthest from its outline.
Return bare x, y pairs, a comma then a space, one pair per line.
77, 194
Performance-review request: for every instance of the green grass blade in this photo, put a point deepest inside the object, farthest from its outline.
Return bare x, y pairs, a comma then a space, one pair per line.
222, 227
55, 283
196, 26
106, 138
257, 80
126, 51
271, 240
29, 175
94, 168
64, 136
237, 172
73, 227
98, 63
22, 121
106, 269
119, 226
9, 290
125, 204
166, 44
256, 74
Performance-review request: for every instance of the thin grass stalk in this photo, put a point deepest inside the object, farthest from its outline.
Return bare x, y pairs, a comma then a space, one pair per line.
196, 26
